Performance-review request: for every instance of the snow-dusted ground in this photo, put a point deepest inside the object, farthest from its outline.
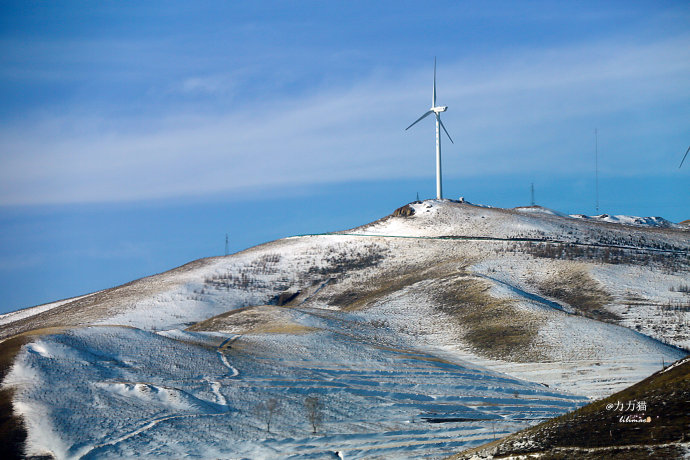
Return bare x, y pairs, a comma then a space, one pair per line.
577, 354
7, 318
112, 391
631, 220
176, 364
443, 218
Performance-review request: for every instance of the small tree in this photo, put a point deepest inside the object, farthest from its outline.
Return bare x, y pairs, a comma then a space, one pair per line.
314, 411
266, 410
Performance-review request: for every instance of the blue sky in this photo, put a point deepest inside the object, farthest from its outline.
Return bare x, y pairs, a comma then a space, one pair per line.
134, 136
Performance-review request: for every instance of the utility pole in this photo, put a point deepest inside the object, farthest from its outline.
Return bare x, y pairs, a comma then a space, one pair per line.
226, 245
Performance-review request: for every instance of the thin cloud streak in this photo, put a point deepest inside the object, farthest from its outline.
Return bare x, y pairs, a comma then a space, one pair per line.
507, 113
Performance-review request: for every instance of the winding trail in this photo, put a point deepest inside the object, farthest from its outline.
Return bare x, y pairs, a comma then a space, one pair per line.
215, 385
226, 344
147, 426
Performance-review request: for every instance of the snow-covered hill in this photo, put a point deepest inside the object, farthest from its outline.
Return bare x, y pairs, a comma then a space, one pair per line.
438, 327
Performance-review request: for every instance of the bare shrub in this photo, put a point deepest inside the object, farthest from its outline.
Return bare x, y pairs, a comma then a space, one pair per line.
248, 277
379, 323
610, 255
684, 288
314, 408
266, 410
350, 258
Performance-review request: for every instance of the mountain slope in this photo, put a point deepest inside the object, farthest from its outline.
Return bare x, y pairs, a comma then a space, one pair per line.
649, 419
427, 330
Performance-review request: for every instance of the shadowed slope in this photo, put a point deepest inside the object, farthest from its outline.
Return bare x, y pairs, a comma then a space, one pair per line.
649, 419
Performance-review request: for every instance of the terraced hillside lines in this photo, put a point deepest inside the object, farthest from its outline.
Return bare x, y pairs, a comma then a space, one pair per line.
393, 395
411, 387
397, 444
549, 248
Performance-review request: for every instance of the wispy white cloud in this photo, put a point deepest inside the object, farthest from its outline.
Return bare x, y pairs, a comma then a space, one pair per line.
206, 85
528, 110
14, 262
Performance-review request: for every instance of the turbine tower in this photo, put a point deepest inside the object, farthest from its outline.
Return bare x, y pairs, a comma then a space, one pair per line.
439, 124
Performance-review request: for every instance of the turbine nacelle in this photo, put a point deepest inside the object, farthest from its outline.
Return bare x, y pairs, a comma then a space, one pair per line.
439, 109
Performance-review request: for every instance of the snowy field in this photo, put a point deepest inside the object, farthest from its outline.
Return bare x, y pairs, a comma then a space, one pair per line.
113, 391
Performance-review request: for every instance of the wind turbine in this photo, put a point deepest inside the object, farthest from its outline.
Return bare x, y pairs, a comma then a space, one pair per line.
439, 124
683, 160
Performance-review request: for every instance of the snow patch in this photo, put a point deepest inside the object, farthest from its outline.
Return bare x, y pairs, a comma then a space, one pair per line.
7, 318
539, 210
658, 222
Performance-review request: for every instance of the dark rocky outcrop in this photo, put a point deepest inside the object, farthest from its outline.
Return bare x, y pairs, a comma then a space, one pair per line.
405, 211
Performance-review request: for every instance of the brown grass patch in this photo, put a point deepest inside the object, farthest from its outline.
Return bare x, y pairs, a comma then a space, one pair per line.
493, 326
215, 323
261, 319
288, 328
361, 298
578, 289
389, 283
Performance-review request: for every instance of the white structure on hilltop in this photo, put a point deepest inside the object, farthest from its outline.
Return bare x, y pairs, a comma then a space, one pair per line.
439, 124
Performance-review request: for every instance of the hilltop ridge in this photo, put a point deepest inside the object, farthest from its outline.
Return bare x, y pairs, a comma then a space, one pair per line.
448, 218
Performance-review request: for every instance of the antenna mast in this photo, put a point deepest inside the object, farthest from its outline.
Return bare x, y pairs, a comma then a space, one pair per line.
532, 193
596, 166
226, 244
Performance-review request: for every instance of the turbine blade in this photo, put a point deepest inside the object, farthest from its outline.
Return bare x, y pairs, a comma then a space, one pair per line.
433, 97
419, 119
686, 154
444, 129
